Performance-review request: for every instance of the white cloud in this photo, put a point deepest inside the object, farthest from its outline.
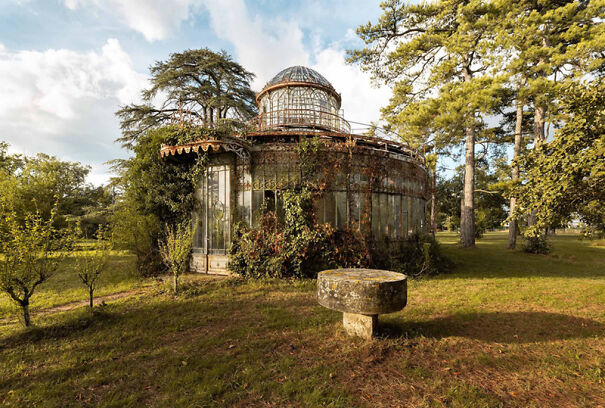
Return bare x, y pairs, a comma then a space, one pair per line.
261, 45
265, 47
62, 102
155, 19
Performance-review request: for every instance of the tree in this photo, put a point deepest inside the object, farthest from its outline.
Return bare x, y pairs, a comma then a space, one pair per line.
437, 54
489, 202
196, 86
545, 43
199, 95
175, 249
31, 253
30, 184
565, 176
93, 261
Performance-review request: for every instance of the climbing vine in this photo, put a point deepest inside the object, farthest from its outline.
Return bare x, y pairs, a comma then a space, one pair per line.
157, 190
298, 245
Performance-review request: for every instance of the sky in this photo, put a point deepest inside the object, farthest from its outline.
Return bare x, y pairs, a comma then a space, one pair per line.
66, 66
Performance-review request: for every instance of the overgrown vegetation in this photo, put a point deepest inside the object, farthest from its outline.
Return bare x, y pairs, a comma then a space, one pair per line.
156, 191
420, 256
299, 246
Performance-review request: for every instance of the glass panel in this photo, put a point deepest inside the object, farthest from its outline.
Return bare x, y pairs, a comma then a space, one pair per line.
375, 215
218, 198
354, 215
394, 216
257, 202
341, 209
270, 200
279, 207
198, 216
329, 208
364, 219
321, 217
282, 176
384, 215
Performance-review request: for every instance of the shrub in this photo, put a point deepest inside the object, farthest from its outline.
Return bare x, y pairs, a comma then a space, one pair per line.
421, 255
537, 244
297, 247
175, 250
30, 253
91, 262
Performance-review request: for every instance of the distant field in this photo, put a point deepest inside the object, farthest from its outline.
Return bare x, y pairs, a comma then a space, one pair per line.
505, 329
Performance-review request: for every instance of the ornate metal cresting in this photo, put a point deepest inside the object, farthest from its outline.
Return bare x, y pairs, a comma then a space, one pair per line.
236, 145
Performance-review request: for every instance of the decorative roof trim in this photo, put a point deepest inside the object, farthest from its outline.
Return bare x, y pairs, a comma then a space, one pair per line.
240, 147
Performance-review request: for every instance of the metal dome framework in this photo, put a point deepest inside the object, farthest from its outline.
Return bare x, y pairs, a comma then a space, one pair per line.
299, 98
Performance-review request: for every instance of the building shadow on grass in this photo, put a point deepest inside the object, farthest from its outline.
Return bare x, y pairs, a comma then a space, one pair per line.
496, 327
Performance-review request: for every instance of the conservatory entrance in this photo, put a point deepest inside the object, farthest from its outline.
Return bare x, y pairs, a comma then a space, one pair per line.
213, 218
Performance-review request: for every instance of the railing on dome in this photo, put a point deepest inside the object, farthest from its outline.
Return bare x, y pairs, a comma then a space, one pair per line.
299, 118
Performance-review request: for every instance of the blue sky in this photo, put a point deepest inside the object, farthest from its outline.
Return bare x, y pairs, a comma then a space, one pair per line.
67, 65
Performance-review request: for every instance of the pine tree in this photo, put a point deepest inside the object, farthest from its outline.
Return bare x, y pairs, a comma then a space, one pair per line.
437, 56
546, 44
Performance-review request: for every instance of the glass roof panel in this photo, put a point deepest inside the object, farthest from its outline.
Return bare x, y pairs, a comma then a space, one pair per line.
299, 73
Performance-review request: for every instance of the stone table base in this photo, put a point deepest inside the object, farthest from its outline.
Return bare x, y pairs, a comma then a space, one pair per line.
361, 295
360, 325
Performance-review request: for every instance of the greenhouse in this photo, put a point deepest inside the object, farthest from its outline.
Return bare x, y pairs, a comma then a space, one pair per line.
373, 185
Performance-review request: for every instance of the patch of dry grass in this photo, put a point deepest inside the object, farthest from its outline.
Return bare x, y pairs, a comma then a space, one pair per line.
505, 329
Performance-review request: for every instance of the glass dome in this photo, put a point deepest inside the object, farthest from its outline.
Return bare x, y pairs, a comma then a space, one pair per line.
299, 98
299, 73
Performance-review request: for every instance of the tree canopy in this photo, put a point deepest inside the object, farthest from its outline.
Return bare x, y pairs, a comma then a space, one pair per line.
565, 177
196, 86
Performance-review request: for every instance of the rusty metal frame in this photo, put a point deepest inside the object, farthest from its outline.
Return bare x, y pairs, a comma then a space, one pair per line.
238, 146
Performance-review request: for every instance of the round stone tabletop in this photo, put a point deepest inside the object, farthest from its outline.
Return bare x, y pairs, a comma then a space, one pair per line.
362, 291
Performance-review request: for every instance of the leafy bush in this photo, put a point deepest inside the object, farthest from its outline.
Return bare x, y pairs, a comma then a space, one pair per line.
175, 249
537, 244
297, 247
30, 253
137, 232
421, 255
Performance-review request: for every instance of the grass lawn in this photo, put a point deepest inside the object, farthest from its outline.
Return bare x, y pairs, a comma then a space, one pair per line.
65, 286
505, 329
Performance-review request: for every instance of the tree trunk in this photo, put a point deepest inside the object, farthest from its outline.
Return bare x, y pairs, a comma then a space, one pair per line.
512, 228
175, 283
467, 213
26, 316
90, 293
433, 204
539, 114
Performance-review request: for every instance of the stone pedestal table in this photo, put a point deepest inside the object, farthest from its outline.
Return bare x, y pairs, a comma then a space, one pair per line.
361, 295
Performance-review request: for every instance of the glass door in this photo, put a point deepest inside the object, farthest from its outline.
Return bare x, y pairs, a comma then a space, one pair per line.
213, 219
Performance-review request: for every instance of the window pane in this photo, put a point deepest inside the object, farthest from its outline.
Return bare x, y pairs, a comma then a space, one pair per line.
375, 215
354, 211
341, 209
329, 208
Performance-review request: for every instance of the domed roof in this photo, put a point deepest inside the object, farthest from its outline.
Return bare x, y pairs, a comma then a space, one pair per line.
299, 73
